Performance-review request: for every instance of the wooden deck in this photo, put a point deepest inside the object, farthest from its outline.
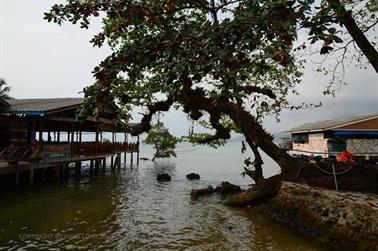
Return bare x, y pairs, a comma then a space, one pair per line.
22, 166
62, 167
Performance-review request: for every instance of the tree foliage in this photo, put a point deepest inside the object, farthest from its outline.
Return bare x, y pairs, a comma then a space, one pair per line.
163, 142
231, 60
4, 90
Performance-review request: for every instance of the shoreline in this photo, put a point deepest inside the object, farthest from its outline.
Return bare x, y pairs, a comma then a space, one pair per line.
342, 220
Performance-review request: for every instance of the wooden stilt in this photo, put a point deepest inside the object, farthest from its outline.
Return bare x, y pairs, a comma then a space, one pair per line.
57, 172
115, 161
91, 166
112, 162
64, 170
132, 156
77, 168
97, 165
67, 169
31, 176
60, 169
17, 176
119, 160
124, 158
138, 158
103, 164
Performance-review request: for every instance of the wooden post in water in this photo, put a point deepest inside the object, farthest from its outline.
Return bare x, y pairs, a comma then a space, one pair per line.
119, 160
65, 169
115, 161
132, 155
112, 162
31, 176
17, 176
61, 170
104, 164
68, 169
97, 165
77, 168
124, 157
138, 152
57, 172
91, 166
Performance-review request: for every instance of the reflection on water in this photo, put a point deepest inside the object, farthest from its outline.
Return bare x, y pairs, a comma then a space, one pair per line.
130, 210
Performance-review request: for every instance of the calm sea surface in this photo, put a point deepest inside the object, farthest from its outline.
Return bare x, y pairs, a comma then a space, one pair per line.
129, 210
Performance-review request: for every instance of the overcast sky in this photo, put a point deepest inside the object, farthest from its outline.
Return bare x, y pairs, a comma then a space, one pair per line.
42, 60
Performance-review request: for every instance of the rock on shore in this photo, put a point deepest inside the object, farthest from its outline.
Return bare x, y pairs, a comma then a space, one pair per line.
225, 188
163, 177
344, 220
228, 188
193, 176
195, 193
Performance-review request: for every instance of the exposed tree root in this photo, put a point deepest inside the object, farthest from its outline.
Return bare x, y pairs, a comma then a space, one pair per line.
264, 190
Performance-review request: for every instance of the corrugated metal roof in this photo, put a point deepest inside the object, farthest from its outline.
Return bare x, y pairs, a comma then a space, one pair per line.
332, 124
41, 105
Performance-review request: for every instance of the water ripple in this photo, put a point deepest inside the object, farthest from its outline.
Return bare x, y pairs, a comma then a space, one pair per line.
130, 210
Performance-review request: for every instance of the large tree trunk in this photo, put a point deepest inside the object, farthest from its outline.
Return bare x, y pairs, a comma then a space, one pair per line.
257, 137
358, 36
254, 132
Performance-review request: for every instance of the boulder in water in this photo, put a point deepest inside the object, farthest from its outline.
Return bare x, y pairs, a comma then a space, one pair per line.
143, 158
195, 193
193, 176
228, 188
163, 177
260, 192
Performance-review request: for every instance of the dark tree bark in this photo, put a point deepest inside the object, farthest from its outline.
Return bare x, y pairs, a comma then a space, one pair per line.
254, 132
358, 36
257, 174
266, 189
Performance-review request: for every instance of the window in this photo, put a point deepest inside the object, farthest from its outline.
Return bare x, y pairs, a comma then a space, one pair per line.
300, 138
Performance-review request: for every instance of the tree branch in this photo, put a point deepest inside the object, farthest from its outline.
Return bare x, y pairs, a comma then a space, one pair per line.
357, 34
145, 124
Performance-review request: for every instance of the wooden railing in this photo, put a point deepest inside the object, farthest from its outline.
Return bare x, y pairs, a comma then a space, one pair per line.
64, 150
127, 147
14, 154
91, 149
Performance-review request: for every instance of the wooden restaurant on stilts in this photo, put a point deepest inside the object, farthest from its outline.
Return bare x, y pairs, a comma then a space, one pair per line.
44, 138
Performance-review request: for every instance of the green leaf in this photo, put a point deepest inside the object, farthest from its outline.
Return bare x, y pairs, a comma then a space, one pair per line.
325, 49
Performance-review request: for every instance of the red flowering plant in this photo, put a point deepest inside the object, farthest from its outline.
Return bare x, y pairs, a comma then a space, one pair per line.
346, 157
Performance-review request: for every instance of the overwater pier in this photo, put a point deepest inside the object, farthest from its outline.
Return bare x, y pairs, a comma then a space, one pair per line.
45, 136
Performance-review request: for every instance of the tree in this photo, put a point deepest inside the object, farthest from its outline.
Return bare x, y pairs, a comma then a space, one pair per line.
4, 90
229, 62
163, 142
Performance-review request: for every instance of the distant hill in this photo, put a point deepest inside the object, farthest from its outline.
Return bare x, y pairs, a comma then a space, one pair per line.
281, 135
277, 137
